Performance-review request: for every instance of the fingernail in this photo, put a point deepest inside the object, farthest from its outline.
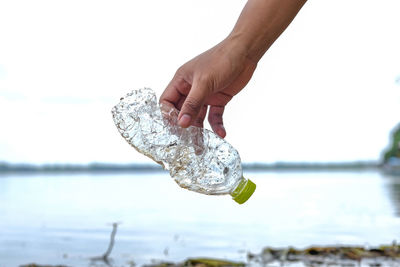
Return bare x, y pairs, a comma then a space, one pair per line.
221, 131
184, 121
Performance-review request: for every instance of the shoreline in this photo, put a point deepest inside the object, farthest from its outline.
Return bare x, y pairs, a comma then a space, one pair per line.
27, 168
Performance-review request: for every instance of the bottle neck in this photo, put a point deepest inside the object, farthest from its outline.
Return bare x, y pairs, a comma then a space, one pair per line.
239, 188
243, 190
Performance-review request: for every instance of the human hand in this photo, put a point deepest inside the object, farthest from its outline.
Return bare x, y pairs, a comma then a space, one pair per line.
209, 81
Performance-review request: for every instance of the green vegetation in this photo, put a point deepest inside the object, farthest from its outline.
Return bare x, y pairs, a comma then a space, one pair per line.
394, 149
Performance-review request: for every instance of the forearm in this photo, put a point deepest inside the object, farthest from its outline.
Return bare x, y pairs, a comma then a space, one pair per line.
261, 23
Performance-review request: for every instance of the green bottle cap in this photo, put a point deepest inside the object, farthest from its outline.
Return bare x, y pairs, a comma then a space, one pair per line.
243, 191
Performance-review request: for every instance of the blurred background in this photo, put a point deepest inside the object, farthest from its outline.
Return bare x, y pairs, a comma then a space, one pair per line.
324, 102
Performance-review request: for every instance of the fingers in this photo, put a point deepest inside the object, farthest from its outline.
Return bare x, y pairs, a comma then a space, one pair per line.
175, 91
193, 103
215, 120
200, 118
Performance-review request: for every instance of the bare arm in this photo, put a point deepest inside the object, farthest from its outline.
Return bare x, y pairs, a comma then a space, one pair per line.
262, 22
210, 80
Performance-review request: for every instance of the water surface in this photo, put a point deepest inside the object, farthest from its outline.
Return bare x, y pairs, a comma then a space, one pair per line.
66, 219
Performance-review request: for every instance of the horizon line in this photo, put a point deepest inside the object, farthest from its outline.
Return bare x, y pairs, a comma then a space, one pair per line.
6, 167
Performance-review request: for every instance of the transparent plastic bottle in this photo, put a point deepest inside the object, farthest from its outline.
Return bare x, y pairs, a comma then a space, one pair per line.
196, 158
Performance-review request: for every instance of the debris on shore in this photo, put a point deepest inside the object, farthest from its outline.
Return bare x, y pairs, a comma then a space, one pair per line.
384, 255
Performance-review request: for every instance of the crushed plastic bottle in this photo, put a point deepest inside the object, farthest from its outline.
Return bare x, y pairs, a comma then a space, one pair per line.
196, 158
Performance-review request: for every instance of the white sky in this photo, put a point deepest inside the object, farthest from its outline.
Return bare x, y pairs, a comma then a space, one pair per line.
325, 91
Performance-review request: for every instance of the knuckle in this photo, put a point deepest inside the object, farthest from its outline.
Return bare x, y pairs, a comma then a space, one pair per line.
204, 78
180, 70
192, 104
207, 81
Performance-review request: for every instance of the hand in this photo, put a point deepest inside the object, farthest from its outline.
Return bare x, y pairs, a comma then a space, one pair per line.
210, 80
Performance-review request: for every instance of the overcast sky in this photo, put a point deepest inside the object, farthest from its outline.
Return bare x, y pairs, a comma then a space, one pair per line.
327, 90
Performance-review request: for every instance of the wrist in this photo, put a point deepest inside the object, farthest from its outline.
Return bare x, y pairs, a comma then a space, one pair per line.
260, 24
242, 44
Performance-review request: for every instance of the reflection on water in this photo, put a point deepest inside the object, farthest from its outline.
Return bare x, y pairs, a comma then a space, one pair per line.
67, 219
393, 187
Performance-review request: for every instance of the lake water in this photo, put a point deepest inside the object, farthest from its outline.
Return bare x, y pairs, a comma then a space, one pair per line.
66, 219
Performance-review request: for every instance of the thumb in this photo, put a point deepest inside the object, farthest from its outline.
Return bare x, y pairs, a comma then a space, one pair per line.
193, 103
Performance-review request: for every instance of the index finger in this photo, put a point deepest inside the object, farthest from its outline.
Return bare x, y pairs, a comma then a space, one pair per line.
177, 89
